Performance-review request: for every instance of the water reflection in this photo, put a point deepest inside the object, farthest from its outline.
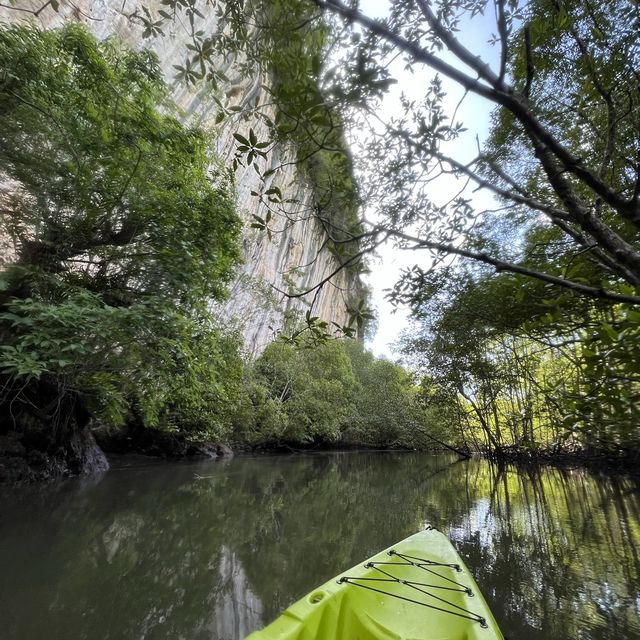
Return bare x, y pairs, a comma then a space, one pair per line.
213, 551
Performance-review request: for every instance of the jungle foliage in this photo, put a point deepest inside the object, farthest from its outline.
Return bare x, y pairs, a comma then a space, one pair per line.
334, 393
526, 308
120, 229
527, 372
119, 225
531, 338
533, 362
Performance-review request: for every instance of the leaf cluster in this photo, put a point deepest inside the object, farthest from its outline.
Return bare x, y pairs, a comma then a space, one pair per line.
124, 229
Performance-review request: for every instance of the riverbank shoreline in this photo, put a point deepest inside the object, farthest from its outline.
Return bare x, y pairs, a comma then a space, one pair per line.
20, 465
604, 463
150, 445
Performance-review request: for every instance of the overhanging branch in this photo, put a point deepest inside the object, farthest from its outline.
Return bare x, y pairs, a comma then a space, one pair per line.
503, 265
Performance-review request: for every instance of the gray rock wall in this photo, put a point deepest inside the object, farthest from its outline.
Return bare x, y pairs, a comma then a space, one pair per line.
295, 255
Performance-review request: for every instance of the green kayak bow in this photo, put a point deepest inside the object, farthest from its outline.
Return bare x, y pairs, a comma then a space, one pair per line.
419, 589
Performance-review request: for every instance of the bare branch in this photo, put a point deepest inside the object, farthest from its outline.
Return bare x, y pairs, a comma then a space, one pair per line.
12, 8
504, 39
530, 65
419, 54
518, 197
458, 49
336, 271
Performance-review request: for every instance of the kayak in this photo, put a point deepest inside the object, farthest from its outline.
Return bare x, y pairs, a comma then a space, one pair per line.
418, 589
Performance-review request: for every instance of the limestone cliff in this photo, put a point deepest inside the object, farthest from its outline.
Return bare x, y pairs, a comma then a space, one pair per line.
295, 257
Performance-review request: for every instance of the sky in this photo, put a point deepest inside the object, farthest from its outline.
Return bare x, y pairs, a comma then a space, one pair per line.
474, 112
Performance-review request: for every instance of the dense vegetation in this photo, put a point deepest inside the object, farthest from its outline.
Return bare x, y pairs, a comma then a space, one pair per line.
546, 359
531, 346
337, 393
528, 373
120, 225
120, 229
526, 304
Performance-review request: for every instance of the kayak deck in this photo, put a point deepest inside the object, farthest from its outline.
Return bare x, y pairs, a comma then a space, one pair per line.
418, 589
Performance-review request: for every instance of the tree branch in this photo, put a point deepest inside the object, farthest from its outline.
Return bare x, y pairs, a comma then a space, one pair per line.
496, 92
463, 54
504, 39
336, 271
502, 265
420, 55
606, 237
530, 64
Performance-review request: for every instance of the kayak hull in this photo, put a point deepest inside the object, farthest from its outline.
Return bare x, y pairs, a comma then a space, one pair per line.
418, 589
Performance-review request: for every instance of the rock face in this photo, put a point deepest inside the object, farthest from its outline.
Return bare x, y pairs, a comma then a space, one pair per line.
295, 255
160, 444
80, 455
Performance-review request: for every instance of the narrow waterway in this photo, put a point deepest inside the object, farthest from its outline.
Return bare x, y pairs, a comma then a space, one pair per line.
215, 550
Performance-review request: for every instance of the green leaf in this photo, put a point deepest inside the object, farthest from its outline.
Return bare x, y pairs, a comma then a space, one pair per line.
242, 140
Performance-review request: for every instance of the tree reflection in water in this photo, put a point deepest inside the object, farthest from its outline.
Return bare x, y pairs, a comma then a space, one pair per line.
215, 550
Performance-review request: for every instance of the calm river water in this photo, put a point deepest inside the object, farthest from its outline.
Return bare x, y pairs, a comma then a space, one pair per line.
215, 550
